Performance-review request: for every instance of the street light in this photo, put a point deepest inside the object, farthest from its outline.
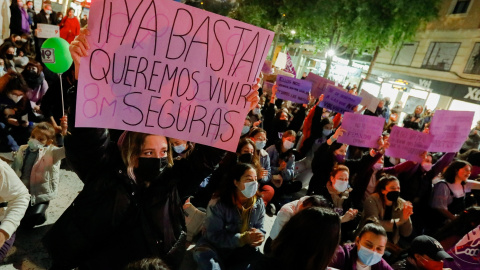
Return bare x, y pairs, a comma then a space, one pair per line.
331, 52
293, 32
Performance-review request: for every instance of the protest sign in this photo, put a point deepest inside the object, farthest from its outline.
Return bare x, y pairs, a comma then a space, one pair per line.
369, 101
361, 130
318, 84
293, 89
281, 60
338, 100
466, 253
408, 144
450, 129
166, 68
47, 30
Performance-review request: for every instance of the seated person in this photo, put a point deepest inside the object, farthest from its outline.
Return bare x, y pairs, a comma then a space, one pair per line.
234, 225
365, 253
425, 253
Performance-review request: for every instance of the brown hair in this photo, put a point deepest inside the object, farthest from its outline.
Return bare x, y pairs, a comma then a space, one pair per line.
47, 129
339, 168
131, 148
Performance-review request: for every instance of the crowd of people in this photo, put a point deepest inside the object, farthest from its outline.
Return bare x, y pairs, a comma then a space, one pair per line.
147, 198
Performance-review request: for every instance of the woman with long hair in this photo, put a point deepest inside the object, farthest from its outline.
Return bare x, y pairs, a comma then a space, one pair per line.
234, 224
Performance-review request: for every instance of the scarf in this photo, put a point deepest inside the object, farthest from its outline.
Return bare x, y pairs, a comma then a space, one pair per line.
337, 197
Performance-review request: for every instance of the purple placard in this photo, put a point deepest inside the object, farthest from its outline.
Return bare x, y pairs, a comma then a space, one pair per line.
293, 89
361, 130
408, 144
318, 84
338, 100
466, 252
450, 129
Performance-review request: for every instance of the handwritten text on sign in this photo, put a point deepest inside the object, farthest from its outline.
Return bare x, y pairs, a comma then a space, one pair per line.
338, 100
450, 129
361, 130
408, 144
166, 68
293, 89
318, 84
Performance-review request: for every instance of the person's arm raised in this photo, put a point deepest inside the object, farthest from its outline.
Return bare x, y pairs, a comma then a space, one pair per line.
79, 48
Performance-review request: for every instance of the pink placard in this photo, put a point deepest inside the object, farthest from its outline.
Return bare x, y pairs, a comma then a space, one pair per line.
293, 89
408, 144
361, 130
318, 83
162, 67
450, 129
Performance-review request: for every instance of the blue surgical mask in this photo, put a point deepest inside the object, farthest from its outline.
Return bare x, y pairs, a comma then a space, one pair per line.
288, 145
245, 130
260, 144
179, 148
327, 132
341, 186
250, 189
369, 257
256, 111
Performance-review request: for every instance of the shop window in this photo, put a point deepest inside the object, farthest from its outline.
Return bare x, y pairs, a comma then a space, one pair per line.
473, 64
440, 55
404, 55
461, 7
458, 105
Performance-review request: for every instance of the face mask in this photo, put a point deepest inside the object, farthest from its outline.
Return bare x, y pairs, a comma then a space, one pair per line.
427, 166
150, 169
48, 12
9, 56
340, 158
393, 196
15, 98
34, 144
341, 186
327, 132
245, 130
288, 145
378, 166
260, 144
30, 6
369, 257
250, 189
245, 158
430, 265
256, 111
24, 40
179, 148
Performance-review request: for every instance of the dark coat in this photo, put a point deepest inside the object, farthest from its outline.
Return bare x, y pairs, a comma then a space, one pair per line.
114, 220
16, 20
41, 17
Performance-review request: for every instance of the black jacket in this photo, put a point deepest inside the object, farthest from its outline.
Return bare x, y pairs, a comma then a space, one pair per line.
41, 17
15, 20
114, 221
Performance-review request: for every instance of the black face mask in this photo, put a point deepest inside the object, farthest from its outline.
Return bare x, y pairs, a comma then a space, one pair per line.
393, 196
9, 56
150, 169
245, 158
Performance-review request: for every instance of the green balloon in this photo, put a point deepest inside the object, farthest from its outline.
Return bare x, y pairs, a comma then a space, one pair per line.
55, 55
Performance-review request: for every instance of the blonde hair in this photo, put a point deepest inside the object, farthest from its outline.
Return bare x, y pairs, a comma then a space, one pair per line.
47, 129
131, 148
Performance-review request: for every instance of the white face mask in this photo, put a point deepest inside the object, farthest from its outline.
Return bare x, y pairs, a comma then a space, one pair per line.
256, 111
48, 12
180, 148
15, 98
288, 145
250, 189
341, 186
427, 166
34, 144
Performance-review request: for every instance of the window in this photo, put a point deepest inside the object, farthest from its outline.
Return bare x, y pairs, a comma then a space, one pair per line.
440, 55
404, 55
473, 64
461, 7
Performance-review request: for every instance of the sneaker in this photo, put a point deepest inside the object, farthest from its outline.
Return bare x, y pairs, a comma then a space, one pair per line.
271, 210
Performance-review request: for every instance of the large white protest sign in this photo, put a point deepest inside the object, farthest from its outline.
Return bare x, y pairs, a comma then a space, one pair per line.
47, 30
166, 68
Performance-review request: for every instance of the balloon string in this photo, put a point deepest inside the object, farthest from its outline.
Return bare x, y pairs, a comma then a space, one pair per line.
61, 92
